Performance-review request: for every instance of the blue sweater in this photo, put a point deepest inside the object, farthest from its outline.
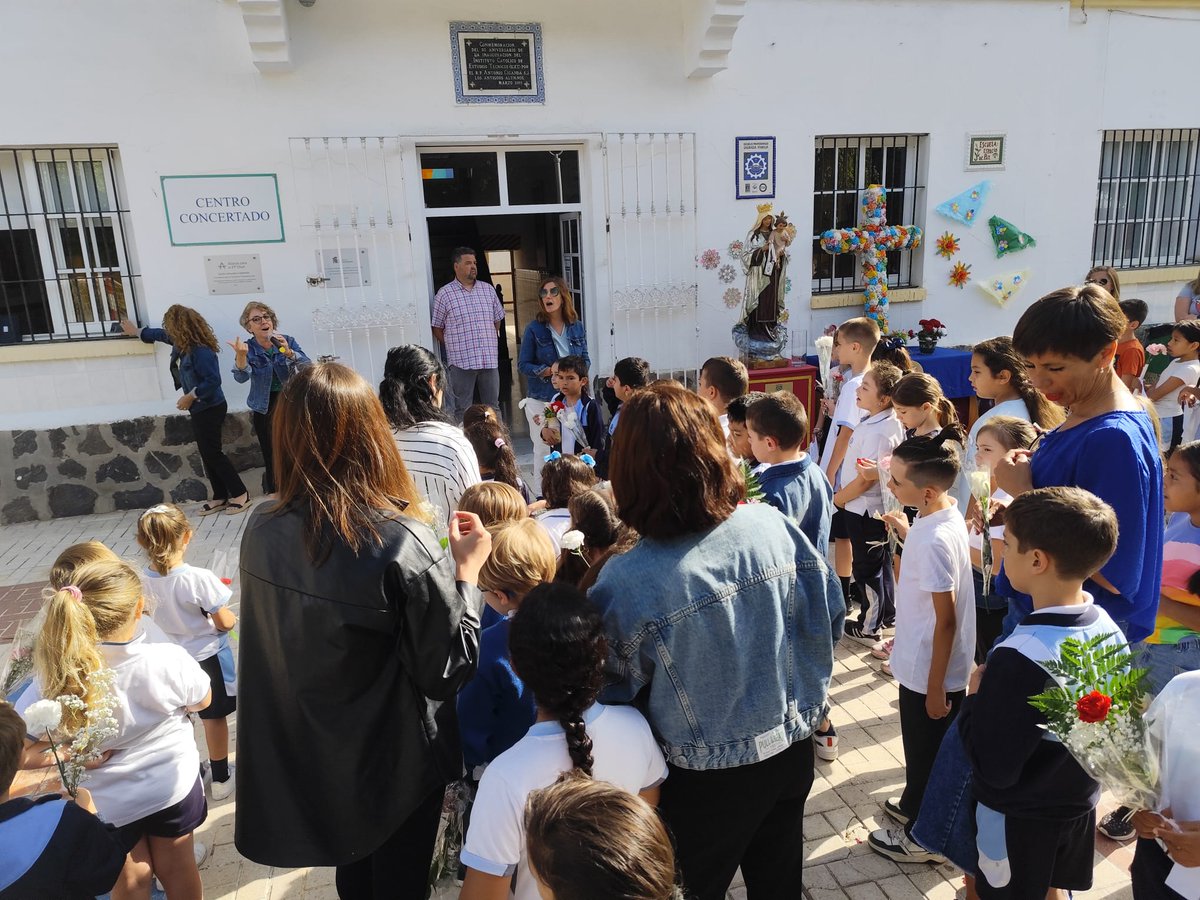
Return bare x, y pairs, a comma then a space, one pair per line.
494, 708
801, 492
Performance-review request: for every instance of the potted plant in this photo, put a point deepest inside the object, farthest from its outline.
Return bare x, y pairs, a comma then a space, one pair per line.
931, 332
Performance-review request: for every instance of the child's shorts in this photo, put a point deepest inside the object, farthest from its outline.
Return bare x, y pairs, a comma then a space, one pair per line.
223, 703
175, 821
837, 526
1027, 857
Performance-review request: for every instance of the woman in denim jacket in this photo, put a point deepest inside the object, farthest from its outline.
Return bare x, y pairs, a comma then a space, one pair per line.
556, 332
196, 372
266, 362
721, 622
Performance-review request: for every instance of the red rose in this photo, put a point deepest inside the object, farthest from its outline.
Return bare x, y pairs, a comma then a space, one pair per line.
558, 405
1093, 707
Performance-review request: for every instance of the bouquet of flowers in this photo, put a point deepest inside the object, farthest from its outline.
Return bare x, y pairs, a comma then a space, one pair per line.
550, 416
1095, 708
100, 725
981, 489
824, 345
890, 503
444, 880
17, 670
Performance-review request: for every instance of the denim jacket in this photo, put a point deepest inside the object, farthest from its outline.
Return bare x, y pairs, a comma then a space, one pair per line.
262, 367
538, 353
199, 371
728, 632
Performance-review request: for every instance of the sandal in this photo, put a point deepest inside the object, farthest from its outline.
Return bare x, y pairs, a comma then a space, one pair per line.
232, 509
207, 510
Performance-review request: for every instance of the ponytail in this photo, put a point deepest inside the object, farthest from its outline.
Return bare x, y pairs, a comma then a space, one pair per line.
494, 451
999, 356
556, 641
918, 388
102, 600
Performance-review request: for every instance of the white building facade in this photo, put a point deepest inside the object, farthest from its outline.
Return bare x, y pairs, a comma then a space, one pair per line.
621, 174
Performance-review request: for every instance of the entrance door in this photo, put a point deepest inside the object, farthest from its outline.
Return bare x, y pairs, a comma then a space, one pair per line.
572, 257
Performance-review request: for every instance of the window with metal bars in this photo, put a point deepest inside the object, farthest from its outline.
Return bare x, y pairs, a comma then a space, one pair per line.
1147, 203
66, 267
845, 167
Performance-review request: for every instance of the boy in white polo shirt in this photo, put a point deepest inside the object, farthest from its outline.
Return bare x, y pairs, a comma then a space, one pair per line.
935, 622
860, 498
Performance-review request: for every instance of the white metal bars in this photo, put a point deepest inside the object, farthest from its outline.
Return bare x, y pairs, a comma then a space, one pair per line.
351, 202
650, 218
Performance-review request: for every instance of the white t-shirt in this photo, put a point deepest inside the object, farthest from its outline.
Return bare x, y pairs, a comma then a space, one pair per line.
155, 763
874, 438
557, 522
936, 558
1168, 407
1172, 718
181, 602
625, 754
845, 414
441, 461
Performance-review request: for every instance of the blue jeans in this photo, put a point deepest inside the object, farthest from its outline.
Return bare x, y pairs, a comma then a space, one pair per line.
1164, 661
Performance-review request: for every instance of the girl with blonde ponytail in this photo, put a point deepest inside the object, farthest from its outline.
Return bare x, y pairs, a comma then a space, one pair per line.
558, 650
149, 787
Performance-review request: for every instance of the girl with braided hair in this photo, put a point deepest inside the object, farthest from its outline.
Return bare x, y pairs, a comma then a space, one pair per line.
557, 647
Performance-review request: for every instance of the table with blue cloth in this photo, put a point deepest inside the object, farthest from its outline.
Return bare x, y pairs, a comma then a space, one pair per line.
952, 369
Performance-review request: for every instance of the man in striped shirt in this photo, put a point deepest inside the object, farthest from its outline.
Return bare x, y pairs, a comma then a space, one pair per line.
466, 319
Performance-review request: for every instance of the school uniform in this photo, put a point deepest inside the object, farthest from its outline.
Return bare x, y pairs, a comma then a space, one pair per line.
846, 414
591, 424
494, 707
557, 522
52, 849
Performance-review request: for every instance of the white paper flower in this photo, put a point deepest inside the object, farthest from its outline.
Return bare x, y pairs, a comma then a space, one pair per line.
981, 484
43, 716
572, 540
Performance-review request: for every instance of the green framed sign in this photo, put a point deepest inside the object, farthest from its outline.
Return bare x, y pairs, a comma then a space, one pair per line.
211, 210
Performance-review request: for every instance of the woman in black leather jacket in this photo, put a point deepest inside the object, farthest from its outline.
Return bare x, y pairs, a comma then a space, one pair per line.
356, 629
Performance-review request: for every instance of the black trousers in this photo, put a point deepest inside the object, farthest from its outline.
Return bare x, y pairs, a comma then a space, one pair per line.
752, 816
921, 737
874, 577
1149, 872
399, 868
262, 429
206, 426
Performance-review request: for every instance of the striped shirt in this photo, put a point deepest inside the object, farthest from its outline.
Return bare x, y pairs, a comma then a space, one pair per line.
441, 462
469, 319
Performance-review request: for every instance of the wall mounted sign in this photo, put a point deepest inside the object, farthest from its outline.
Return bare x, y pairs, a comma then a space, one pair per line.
755, 167
239, 273
204, 210
986, 151
344, 268
497, 62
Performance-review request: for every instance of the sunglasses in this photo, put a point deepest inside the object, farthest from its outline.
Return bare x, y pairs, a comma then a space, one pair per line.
552, 292
258, 320
1103, 281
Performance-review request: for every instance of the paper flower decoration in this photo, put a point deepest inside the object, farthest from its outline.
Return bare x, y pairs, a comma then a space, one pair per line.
1007, 237
960, 274
965, 206
710, 259
948, 245
726, 274
736, 248
1002, 287
787, 285
732, 297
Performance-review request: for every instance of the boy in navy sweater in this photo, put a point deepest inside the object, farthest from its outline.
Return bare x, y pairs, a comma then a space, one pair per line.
581, 426
777, 426
51, 846
1036, 806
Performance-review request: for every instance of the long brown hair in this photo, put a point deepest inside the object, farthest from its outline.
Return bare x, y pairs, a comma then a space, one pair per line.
162, 531
671, 473
568, 304
1114, 281
188, 330
336, 456
999, 355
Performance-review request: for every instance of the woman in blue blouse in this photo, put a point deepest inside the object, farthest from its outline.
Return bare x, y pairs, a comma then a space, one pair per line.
196, 372
557, 331
266, 362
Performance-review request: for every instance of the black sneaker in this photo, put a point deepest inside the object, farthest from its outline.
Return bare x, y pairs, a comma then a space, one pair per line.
856, 632
1116, 825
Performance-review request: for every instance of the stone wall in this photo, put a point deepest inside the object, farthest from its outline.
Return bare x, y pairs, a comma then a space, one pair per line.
131, 464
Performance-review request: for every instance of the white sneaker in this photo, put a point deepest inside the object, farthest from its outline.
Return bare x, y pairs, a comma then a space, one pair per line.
223, 790
201, 852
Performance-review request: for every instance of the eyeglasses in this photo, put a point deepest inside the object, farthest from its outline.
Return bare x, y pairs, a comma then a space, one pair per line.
551, 291
258, 320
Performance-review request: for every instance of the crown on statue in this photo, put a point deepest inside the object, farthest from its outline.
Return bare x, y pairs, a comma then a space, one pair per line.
764, 208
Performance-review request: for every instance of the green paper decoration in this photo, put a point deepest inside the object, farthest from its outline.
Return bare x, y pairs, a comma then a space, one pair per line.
1007, 237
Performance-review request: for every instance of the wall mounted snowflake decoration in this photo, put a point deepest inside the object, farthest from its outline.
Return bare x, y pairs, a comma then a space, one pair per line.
710, 259
727, 273
732, 297
735, 249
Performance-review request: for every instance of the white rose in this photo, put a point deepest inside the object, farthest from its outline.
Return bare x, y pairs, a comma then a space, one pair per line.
43, 716
572, 540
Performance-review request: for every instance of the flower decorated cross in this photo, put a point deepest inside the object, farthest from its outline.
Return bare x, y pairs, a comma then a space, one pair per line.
872, 241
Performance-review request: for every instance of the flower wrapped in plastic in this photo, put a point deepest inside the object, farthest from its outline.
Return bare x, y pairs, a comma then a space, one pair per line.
444, 871
890, 503
980, 481
1096, 709
17, 670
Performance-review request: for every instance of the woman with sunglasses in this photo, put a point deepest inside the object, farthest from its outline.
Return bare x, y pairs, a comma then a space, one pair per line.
266, 362
1106, 277
557, 331
1187, 304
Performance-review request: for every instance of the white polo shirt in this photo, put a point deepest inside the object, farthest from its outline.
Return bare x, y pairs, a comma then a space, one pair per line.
874, 438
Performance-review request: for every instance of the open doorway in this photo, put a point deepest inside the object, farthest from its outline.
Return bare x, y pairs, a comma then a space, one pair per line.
515, 253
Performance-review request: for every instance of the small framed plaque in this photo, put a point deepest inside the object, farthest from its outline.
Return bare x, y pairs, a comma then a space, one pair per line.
755, 176
497, 62
986, 151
